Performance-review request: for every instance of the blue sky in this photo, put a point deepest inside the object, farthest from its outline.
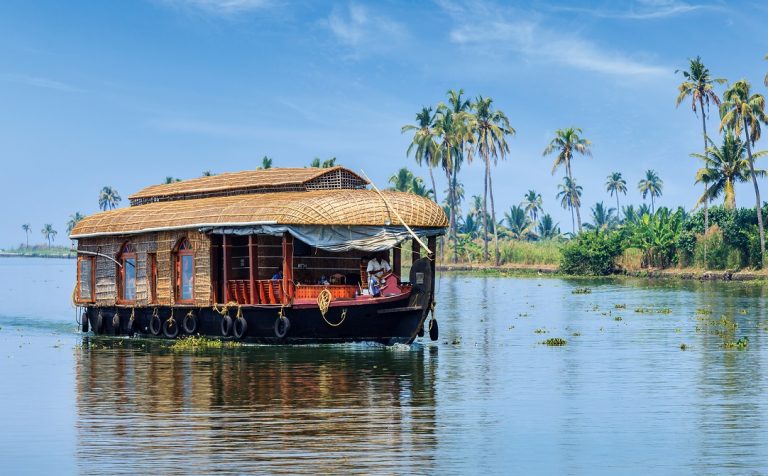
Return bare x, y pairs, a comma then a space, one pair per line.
126, 93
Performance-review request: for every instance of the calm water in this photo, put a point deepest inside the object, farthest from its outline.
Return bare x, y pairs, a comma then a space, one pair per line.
621, 396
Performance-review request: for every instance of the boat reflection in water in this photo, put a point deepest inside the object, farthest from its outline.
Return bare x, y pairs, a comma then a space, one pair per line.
143, 408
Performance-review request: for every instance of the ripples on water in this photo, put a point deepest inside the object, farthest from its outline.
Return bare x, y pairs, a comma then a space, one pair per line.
620, 397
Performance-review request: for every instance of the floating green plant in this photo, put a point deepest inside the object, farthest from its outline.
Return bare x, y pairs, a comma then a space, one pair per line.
743, 312
554, 341
703, 311
618, 318
581, 291
683, 346
456, 340
576, 334
740, 344
620, 306
541, 331
200, 342
650, 310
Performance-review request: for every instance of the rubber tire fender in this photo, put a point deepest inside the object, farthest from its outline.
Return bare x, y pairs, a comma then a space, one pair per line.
171, 331
155, 325
226, 326
282, 325
84, 322
98, 325
190, 324
116, 324
434, 333
240, 327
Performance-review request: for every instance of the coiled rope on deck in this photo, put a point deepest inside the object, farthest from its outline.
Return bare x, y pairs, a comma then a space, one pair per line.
324, 303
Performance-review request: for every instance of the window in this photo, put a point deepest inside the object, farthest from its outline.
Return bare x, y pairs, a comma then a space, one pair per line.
86, 279
152, 276
126, 286
185, 272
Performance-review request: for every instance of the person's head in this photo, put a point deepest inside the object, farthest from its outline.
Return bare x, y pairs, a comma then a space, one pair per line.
382, 255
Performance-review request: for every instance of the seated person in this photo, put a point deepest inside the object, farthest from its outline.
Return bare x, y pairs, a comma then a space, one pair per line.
378, 267
278, 275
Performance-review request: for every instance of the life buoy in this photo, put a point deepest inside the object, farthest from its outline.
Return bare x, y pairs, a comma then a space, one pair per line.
240, 327
226, 325
433, 331
155, 325
190, 323
282, 324
84, 322
171, 328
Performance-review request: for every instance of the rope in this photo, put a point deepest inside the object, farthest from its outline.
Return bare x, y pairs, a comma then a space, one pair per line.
239, 312
171, 321
224, 310
155, 312
74, 296
324, 303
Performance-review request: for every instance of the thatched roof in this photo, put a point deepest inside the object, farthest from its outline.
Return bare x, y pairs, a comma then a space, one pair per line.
252, 181
318, 207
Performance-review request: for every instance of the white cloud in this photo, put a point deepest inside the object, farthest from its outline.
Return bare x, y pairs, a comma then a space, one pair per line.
493, 31
220, 7
39, 82
363, 30
641, 10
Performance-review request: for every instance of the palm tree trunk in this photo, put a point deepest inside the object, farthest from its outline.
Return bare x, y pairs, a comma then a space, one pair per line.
493, 220
434, 187
618, 210
452, 216
757, 196
485, 211
573, 221
653, 208
576, 206
706, 201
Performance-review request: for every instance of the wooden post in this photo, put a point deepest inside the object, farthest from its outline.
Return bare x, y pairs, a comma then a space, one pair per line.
253, 262
288, 266
215, 278
227, 249
415, 251
396, 261
432, 243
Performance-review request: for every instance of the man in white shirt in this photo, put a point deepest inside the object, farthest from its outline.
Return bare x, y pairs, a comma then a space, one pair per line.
378, 267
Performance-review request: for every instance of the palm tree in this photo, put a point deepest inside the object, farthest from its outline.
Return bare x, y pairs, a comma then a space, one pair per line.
547, 229
74, 219
325, 164
651, 185
616, 185
570, 197
208, 173
603, 218
27, 228
566, 142
108, 198
743, 111
402, 180
170, 179
518, 222
533, 203
491, 128
723, 167
418, 187
49, 233
266, 163
424, 142
699, 85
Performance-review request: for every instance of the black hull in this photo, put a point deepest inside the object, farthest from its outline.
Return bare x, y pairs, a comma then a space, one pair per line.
393, 323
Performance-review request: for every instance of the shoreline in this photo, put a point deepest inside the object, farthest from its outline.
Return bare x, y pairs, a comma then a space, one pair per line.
5, 254
682, 274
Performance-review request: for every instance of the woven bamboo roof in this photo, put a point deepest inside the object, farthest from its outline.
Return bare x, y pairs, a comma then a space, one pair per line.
251, 181
316, 207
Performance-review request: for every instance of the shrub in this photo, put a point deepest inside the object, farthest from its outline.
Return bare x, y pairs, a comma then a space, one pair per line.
591, 253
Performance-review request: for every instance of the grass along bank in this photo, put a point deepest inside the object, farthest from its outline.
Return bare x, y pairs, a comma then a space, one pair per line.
38, 251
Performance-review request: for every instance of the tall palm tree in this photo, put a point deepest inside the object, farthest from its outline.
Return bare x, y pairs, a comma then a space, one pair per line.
424, 142
108, 198
743, 111
723, 167
74, 219
491, 128
266, 163
616, 185
27, 228
699, 86
533, 204
461, 108
651, 185
565, 143
570, 197
49, 233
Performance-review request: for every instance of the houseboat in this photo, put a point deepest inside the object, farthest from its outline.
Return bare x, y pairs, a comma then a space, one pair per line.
269, 256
